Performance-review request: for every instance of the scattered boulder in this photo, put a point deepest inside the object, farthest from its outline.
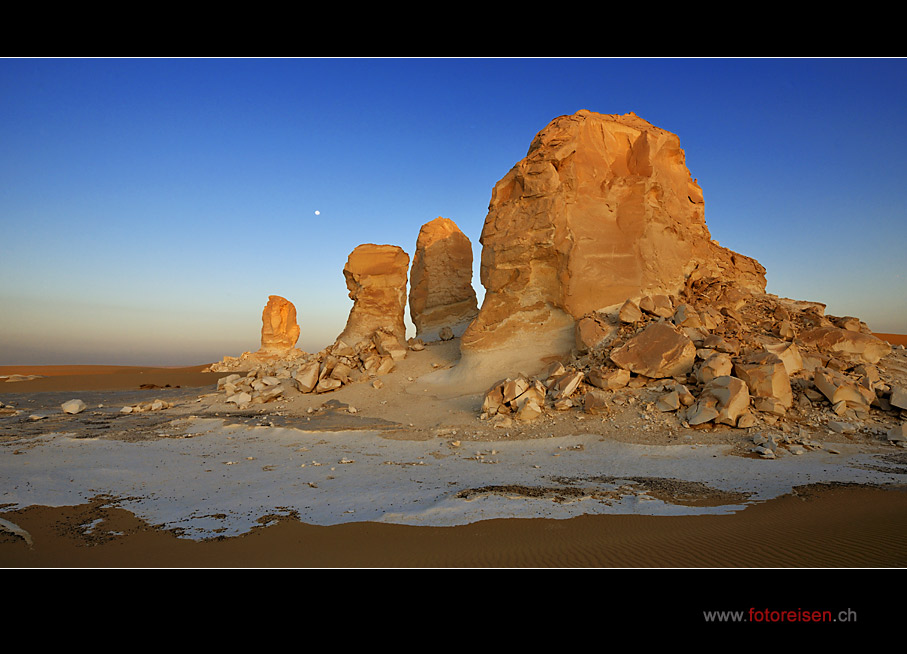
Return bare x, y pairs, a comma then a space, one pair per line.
789, 354
529, 411
660, 350
685, 396
593, 331
240, 399
595, 402
766, 377
723, 400
657, 305
514, 388
849, 345
841, 427
786, 330
608, 379
307, 376
898, 397
720, 343
389, 344
668, 402
520, 396
701, 412
566, 384
141, 407
898, 433
328, 384
629, 312
73, 406
718, 364
686, 316
837, 388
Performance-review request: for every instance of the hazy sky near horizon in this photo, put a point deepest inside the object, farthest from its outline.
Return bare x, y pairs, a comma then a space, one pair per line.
149, 207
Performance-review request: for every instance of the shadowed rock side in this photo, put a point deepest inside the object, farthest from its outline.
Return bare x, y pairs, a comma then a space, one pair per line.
601, 209
279, 330
441, 293
376, 277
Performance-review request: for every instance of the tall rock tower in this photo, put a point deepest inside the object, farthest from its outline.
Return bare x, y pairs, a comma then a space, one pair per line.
601, 209
441, 293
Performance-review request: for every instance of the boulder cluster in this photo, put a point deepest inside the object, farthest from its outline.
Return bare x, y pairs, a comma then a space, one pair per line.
142, 407
322, 372
718, 354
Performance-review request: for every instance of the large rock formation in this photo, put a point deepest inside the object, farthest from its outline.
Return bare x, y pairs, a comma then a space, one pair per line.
441, 293
376, 277
279, 330
601, 209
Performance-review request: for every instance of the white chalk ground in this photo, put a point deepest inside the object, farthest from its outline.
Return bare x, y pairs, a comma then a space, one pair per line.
220, 480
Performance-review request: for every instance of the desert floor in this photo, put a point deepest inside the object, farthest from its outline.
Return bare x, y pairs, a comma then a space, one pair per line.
394, 477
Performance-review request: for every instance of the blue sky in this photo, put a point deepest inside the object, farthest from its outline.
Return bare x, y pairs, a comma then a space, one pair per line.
148, 207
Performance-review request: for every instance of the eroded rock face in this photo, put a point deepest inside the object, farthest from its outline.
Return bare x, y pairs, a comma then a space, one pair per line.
441, 293
601, 209
279, 330
376, 278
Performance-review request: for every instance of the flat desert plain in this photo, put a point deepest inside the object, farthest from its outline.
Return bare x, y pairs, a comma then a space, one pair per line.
394, 477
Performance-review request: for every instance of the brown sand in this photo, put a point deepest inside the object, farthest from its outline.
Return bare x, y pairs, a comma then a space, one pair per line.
104, 378
818, 527
894, 339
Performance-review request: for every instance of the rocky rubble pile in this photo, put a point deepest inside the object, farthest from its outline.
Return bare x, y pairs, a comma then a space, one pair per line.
723, 355
323, 372
142, 407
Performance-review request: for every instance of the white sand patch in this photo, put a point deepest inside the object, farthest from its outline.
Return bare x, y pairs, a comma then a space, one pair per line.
220, 480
